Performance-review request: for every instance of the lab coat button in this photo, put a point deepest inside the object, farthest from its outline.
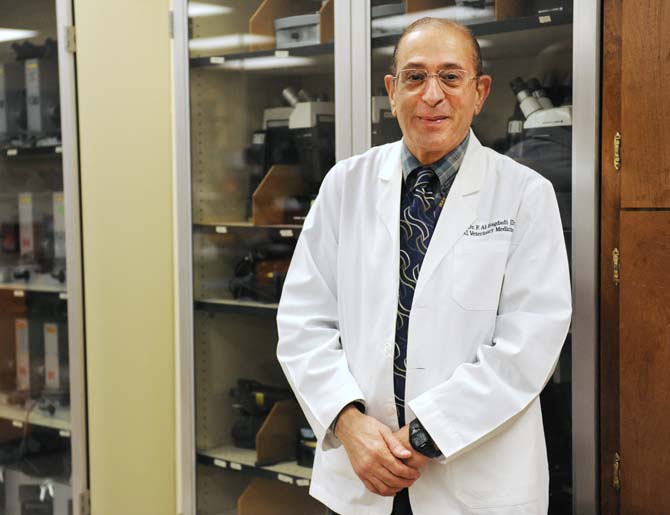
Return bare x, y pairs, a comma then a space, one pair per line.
388, 349
389, 409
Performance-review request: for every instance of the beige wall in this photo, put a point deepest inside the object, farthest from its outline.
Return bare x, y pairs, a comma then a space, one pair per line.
123, 68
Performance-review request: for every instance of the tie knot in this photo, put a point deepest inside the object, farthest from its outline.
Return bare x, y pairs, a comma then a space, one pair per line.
425, 177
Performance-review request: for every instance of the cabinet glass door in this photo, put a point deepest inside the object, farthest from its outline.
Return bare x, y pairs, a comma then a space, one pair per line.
35, 362
262, 118
527, 49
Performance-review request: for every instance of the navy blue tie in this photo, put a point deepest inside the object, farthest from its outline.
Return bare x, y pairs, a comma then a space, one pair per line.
418, 216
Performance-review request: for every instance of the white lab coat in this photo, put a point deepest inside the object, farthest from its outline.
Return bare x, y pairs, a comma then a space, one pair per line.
490, 313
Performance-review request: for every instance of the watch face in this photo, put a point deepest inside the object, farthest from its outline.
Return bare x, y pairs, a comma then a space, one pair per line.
420, 439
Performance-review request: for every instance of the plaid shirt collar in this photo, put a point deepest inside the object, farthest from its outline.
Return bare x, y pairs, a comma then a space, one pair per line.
445, 168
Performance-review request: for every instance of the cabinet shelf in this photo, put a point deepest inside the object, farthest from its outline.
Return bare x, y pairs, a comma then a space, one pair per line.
19, 152
523, 23
42, 287
244, 460
325, 49
17, 414
232, 306
283, 231
488, 28
492, 28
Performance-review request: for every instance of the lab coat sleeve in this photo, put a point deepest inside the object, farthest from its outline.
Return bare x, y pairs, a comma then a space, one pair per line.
533, 319
309, 348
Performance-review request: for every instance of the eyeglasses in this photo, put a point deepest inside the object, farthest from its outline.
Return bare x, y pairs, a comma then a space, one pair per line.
451, 81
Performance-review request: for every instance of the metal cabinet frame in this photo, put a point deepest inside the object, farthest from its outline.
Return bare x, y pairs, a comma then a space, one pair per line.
353, 135
74, 267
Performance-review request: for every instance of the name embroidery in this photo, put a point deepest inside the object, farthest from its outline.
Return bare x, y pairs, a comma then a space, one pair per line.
506, 225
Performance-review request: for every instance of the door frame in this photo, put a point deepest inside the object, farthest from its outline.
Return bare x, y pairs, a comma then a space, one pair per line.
585, 253
74, 268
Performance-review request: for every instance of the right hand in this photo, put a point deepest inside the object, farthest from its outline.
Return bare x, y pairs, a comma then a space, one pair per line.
375, 453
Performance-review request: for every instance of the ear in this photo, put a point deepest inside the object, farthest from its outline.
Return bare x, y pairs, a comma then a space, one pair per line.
482, 92
389, 82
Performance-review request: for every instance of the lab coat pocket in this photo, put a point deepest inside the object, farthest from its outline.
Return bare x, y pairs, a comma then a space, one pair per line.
479, 267
500, 499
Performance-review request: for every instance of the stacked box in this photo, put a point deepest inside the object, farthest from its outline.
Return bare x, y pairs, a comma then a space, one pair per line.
12, 101
42, 97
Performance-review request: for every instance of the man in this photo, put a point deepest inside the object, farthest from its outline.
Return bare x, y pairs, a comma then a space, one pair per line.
426, 306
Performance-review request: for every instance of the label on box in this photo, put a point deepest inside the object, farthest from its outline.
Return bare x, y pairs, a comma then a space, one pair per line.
281, 53
22, 354
17, 423
13, 152
221, 463
285, 479
286, 233
52, 368
33, 102
545, 19
26, 232
221, 229
515, 127
236, 466
64, 433
302, 482
217, 60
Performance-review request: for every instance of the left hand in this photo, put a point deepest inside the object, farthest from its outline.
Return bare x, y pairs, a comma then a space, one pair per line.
416, 460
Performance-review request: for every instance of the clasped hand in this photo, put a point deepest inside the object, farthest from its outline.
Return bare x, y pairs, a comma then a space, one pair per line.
383, 460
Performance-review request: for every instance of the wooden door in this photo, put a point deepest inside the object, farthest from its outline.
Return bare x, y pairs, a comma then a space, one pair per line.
644, 363
645, 103
635, 232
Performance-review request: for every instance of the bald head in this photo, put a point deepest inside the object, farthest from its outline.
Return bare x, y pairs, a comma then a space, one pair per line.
446, 25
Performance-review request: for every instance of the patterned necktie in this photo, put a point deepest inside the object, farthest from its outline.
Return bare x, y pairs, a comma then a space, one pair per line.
419, 213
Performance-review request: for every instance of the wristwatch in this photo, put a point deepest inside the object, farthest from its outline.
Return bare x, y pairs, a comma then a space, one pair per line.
421, 441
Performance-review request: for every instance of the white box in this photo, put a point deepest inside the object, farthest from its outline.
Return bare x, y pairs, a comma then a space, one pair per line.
26, 225
59, 225
51, 357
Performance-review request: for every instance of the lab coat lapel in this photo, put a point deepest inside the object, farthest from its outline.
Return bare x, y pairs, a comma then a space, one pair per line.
459, 211
389, 184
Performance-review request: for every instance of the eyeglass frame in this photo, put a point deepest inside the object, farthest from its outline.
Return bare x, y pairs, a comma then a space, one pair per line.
439, 81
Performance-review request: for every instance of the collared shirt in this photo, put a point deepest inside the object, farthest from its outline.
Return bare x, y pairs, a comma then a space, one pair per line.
445, 168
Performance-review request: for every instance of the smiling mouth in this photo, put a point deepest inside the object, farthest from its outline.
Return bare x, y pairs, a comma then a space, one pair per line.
433, 118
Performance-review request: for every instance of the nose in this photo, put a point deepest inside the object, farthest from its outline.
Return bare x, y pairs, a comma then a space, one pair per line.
432, 92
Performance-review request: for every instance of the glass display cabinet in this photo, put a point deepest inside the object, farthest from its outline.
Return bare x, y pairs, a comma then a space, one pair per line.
42, 437
267, 96
262, 114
